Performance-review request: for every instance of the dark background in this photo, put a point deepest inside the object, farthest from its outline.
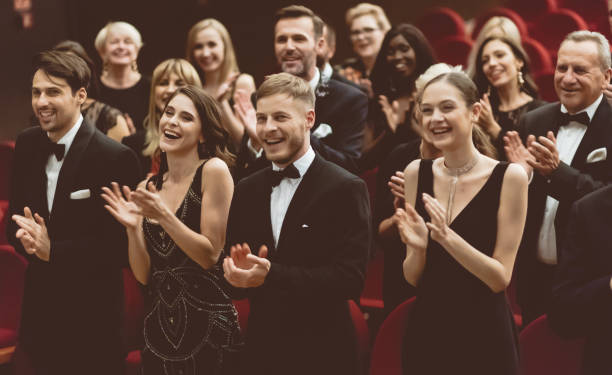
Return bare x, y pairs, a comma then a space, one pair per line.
163, 25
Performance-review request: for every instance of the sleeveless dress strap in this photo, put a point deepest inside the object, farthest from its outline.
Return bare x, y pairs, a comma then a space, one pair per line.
424, 185
497, 178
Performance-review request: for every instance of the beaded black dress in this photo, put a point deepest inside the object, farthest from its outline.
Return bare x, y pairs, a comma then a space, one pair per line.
191, 326
458, 324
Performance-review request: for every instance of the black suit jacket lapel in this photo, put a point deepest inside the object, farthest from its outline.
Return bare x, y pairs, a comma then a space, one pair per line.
71, 163
303, 194
40, 159
263, 197
595, 133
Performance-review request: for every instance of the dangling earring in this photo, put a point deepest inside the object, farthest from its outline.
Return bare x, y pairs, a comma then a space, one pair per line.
105, 68
521, 80
134, 66
489, 90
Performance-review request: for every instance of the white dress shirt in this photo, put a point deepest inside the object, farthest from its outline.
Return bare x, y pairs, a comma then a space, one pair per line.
327, 72
282, 194
54, 166
568, 140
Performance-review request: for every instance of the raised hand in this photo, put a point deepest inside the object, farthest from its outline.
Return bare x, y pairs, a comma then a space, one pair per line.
150, 203
224, 89
391, 112
485, 118
437, 226
545, 154
242, 269
33, 234
411, 227
122, 209
516, 152
245, 112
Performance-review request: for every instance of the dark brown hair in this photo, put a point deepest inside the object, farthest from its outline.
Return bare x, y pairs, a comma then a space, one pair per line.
297, 11
64, 65
75, 47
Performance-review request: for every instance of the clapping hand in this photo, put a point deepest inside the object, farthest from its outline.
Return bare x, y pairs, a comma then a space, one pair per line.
245, 270
122, 208
411, 227
485, 118
149, 203
516, 152
391, 112
224, 89
396, 185
545, 154
437, 226
33, 234
246, 113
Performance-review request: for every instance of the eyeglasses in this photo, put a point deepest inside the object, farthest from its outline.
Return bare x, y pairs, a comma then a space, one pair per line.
366, 31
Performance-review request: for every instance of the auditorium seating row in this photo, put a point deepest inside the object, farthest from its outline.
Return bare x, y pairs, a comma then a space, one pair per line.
542, 24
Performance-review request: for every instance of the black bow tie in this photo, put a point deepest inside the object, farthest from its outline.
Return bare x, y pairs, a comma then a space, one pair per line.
581, 117
277, 176
55, 148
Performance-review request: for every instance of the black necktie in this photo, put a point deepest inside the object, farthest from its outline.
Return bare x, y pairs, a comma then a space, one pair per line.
55, 148
277, 176
581, 117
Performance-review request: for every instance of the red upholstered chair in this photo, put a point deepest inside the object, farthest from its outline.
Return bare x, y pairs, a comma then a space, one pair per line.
386, 356
371, 296
500, 12
539, 58
453, 50
362, 331
132, 322
594, 12
243, 307
3, 220
6, 160
12, 273
544, 352
532, 10
369, 177
546, 86
552, 28
440, 22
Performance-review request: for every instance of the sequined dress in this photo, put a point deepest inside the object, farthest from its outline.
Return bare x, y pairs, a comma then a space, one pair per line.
191, 326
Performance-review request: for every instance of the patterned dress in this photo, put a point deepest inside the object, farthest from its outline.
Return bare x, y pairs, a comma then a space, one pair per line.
191, 326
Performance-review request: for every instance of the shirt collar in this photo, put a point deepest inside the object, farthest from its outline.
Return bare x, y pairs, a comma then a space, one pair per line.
327, 72
303, 163
314, 82
590, 110
68, 138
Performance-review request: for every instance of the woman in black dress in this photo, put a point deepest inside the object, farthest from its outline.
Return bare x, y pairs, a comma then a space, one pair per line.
175, 224
457, 255
505, 86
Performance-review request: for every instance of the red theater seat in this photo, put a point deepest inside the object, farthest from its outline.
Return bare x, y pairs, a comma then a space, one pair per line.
386, 356
453, 50
539, 58
12, 273
552, 28
6, 160
440, 22
3, 220
132, 321
544, 352
532, 10
594, 12
546, 86
500, 12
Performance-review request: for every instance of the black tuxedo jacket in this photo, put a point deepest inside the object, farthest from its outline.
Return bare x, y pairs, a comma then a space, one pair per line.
582, 299
567, 184
299, 321
72, 304
341, 106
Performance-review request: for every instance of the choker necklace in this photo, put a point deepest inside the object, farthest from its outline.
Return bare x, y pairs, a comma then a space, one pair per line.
455, 173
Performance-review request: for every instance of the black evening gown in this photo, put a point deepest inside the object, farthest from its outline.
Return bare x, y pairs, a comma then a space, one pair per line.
191, 326
458, 325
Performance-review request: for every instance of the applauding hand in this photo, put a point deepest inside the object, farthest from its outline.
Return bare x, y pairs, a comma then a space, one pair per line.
245, 270
149, 203
437, 226
33, 234
411, 227
122, 209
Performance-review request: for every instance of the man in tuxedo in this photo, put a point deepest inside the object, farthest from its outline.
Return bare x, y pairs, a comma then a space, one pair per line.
71, 313
567, 145
307, 222
337, 133
582, 296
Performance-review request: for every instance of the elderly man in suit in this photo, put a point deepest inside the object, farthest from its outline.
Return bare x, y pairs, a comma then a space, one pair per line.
567, 145
337, 132
71, 314
307, 222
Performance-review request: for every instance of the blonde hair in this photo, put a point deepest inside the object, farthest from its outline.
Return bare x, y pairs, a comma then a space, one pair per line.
125, 27
187, 73
285, 83
229, 64
367, 9
501, 27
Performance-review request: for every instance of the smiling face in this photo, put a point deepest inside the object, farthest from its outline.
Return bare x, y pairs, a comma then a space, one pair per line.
119, 48
283, 126
295, 46
401, 56
164, 89
447, 121
366, 36
208, 50
53, 103
579, 78
180, 126
499, 64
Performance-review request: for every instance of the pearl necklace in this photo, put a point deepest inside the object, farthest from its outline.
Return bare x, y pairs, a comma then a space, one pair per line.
455, 173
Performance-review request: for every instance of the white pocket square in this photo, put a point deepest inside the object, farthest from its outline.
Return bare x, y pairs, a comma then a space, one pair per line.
597, 155
305, 226
80, 194
323, 130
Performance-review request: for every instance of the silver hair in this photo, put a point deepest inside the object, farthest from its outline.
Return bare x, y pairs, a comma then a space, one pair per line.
603, 47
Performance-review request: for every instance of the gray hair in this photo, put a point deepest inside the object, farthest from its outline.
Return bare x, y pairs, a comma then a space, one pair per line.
603, 47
